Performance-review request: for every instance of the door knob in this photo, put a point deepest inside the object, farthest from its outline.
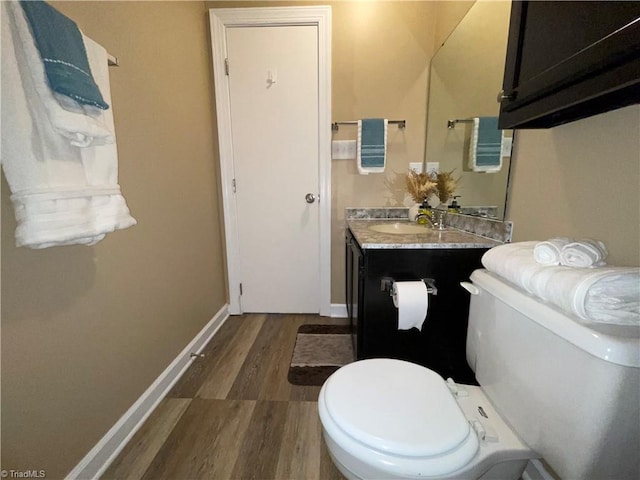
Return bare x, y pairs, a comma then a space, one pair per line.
310, 197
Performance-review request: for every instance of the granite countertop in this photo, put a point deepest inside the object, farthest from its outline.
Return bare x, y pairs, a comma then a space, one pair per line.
432, 239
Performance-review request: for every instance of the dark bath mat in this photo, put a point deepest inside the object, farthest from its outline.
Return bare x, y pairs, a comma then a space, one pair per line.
319, 351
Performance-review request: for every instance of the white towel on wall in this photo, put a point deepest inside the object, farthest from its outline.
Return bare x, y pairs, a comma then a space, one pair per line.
62, 194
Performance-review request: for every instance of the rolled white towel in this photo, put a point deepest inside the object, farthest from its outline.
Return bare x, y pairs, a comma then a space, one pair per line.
584, 253
548, 252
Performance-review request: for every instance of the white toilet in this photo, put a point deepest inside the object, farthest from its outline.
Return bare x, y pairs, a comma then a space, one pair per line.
550, 388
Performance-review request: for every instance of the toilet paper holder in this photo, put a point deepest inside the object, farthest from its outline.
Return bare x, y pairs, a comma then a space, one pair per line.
386, 284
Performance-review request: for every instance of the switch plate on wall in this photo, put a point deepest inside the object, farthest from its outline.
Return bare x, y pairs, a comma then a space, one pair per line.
433, 166
507, 143
416, 166
343, 149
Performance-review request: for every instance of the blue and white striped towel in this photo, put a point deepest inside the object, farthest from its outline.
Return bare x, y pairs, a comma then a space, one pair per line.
372, 145
485, 146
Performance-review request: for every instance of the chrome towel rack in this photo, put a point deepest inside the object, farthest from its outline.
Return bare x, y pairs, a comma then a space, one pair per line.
452, 123
335, 126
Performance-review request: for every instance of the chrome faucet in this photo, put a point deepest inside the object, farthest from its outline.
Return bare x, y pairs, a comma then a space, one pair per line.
435, 221
423, 216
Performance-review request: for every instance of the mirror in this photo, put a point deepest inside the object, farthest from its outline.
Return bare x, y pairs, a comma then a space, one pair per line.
466, 76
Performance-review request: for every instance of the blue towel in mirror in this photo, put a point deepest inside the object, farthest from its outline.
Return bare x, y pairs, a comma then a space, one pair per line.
63, 53
485, 146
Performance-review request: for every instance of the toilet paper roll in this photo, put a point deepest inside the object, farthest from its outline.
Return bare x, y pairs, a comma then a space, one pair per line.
412, 301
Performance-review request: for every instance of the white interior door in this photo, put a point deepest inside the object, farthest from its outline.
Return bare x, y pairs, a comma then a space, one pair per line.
274, 117
273, 86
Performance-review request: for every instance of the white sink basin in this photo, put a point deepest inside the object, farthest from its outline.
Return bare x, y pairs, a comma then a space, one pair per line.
400, 228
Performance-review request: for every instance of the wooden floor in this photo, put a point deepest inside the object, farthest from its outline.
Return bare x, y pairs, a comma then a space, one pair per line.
233, 414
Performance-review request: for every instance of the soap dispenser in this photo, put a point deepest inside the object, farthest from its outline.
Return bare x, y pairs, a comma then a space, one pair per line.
454, 207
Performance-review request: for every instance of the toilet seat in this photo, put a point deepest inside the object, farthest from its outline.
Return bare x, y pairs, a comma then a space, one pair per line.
397, 415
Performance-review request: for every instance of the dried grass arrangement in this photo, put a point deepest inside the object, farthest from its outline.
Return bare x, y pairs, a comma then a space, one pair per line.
420, 185
446, 185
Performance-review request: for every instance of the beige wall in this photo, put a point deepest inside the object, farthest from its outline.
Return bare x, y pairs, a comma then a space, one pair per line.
85, 330
581, 179
448, 15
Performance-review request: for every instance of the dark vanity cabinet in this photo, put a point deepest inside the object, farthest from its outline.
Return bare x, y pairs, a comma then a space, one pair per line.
568, 60
354, 268
374, 319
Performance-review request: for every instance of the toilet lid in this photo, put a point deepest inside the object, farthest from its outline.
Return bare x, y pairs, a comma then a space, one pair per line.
396, 407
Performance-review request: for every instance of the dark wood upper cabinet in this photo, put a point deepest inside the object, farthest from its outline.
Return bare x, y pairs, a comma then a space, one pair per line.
568, 60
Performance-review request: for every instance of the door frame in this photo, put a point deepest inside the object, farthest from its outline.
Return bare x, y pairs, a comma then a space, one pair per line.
220, 19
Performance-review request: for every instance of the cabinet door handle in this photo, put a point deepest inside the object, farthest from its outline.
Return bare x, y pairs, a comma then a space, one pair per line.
470, 287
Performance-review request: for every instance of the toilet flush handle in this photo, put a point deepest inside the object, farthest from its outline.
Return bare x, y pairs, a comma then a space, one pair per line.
470, 287
456, 389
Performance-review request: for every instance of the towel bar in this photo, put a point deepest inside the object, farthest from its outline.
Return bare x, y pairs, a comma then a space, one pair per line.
452, 123
386, 283
335, 126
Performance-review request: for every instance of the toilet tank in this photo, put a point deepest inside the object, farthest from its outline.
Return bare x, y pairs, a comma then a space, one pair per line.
570, 392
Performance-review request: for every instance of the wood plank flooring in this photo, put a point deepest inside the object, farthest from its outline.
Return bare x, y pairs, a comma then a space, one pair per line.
233, 414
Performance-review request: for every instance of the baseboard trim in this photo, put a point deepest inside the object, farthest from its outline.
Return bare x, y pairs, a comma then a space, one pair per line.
107, 449
339, 310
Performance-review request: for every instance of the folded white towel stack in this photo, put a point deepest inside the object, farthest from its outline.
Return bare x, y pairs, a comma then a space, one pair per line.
548, 252
62, 194
607, 295
584, 253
